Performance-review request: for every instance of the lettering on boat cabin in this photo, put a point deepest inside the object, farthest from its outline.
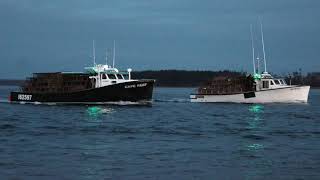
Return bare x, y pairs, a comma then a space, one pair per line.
135, 86
24, 97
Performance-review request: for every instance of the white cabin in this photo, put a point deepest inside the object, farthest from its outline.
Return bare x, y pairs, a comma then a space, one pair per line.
265, 81
104, 75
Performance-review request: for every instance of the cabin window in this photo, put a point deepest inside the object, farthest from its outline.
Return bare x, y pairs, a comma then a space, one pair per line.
104, 76
280, 81
277, 81
112, 76
271, 83
119, 76
284, 81
265, 84
125, 76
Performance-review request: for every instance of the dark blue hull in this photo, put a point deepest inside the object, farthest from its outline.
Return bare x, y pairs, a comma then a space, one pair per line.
133, 91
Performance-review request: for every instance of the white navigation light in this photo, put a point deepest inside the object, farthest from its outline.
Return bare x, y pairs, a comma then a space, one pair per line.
129, 73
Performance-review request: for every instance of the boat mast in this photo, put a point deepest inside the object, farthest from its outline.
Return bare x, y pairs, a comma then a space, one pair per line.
253, 55
264, 52
94, 53
114, 53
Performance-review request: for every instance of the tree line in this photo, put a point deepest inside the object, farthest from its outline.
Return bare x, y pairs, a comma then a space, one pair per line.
312, 79
183, 78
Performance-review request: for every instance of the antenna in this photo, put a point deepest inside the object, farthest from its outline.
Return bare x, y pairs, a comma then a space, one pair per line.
253, 55
114, 53
264, 52
106, 56
258, 60
94, 53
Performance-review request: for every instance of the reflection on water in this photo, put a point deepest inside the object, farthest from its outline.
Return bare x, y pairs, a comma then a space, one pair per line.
257, 108
91, 150
255, 120
95, 112
254, 146
254, 123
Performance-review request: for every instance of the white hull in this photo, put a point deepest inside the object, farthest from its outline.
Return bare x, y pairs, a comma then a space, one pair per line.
292, 94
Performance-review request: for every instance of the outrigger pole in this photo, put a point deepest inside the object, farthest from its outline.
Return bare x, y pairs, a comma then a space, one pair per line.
114, 53
253, 55
106, 56
264, 52
94, 53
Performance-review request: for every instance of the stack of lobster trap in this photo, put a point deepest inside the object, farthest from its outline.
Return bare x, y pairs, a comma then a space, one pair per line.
224, 85
57, 82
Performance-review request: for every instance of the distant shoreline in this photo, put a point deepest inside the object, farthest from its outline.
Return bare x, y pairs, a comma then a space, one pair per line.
191, 79
10, 83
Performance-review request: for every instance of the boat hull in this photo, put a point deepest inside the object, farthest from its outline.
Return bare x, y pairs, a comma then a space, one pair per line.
294, 94
133, 91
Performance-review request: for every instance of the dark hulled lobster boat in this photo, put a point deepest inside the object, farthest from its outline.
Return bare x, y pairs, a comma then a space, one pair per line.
99, 84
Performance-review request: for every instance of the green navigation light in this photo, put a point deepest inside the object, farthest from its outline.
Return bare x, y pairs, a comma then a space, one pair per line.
257, 76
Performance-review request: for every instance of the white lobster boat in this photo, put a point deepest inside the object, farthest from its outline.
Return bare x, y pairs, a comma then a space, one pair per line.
259, 88
267, 90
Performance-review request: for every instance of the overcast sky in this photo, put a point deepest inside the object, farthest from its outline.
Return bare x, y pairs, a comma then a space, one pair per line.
56, 35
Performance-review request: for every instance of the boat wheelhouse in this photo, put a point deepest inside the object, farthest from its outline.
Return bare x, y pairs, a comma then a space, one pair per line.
104, 75
265, 81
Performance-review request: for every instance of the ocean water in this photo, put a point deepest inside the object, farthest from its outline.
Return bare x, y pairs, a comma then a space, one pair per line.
170, 139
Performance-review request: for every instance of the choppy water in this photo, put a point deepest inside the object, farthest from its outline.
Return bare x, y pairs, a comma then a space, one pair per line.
172, 139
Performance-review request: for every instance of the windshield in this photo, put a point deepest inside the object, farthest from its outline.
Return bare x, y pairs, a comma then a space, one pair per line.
112, 76
125, 76
119, 76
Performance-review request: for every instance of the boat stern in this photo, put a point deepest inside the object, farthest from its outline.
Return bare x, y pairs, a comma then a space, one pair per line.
21, 96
